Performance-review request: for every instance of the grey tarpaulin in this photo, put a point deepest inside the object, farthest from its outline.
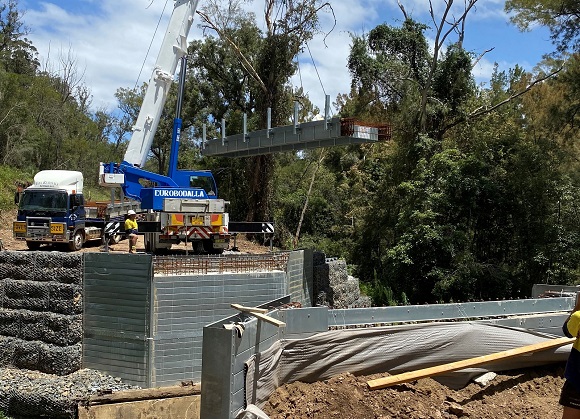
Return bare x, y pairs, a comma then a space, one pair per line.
252, 412
393, 349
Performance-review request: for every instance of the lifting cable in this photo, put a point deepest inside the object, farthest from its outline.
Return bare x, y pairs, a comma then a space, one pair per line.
151, 43
317, 73
315, 68
300, 74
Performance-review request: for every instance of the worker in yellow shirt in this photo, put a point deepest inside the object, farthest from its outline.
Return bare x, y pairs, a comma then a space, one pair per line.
131, 229
570, 397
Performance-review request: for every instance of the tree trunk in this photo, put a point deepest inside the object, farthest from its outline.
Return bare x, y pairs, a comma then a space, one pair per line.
297, 236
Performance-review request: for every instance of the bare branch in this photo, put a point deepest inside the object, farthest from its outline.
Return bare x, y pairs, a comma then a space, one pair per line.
432, 14
436, 46
304, 208
402, 9
243, 60
308, 17
482, 110
17, 105
462, 31
453, 27
333, 26
69, 74
268, 14
440, 38
481, 56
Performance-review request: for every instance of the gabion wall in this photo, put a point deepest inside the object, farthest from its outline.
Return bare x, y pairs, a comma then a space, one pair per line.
333, 286
41, 311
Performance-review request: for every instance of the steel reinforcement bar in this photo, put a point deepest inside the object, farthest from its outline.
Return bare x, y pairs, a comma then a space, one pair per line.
201, 265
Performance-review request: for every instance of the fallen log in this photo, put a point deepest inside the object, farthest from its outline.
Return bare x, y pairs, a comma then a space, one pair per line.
466, 363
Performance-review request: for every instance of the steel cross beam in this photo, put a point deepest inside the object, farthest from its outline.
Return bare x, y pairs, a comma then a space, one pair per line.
308, 135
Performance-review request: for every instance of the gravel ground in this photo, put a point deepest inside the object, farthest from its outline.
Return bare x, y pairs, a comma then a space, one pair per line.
32, 394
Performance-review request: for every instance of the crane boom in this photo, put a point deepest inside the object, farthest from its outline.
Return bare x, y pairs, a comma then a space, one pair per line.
174, 47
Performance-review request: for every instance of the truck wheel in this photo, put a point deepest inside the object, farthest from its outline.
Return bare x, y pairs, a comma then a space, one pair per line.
209, 249
33, 245
77, 241
197, 247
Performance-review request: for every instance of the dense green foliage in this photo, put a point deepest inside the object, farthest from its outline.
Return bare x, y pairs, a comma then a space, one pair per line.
562, 17
9, 179
466, 203
476, 196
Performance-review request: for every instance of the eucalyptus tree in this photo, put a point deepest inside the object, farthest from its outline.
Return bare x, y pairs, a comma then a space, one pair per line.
551, 126
444, 219
403, 236
17, 53
261, 63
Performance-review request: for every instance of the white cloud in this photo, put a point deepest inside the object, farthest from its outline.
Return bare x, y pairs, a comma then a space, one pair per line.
326, 72
110, 39
419, 9
483, 70
110, 45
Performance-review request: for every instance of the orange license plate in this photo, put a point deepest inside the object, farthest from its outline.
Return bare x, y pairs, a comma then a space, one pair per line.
57, 229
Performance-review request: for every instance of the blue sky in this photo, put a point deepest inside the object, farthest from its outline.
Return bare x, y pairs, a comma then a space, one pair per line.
109, 39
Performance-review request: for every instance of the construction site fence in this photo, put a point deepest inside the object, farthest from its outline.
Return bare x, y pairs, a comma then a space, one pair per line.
203, 265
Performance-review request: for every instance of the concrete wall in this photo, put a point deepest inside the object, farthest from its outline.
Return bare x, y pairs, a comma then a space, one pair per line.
184, 304
225, 352
146, 327
116, 319
300, 277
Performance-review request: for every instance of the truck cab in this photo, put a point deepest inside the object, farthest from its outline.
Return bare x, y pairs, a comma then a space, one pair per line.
51, 210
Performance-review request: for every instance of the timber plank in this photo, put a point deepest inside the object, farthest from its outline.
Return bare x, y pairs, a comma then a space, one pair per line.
466, 363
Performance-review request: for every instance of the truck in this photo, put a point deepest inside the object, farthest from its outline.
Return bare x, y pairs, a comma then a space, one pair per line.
53, 211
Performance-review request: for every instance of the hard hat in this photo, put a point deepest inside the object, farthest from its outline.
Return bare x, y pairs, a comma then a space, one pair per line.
131, 212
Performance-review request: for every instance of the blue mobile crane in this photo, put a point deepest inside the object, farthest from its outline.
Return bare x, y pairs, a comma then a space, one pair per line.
184, 204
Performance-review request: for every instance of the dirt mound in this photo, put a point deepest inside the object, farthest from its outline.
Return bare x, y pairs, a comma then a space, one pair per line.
529, 393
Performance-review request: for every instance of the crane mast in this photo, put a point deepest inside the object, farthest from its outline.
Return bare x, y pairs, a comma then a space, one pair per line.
174, 47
